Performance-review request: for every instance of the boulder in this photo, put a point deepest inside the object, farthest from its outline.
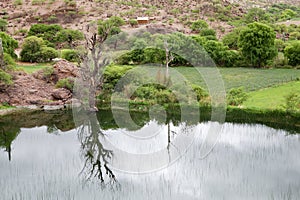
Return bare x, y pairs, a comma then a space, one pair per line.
65, 69
61, 94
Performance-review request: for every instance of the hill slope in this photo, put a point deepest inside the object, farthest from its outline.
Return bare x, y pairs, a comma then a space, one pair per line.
174, 13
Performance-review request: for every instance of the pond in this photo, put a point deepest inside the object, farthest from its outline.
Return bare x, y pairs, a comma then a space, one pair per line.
52, 156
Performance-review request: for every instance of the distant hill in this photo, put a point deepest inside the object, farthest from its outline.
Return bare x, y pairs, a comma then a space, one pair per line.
174, 13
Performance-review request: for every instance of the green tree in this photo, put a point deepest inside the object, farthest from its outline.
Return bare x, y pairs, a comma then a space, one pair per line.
221, 55
69, 36
257, 44
109, 27
292, 53
3, 25
47, 54
34, 50
31, 49
9, 44
199, 25
95, 37
45, 31
231, 39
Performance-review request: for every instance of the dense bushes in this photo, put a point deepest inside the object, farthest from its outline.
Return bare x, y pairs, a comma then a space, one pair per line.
44, 31
131, 87
34, 50
47, 54
257, 44
55, 35
31, 49
70, 55
292, 53
9, 44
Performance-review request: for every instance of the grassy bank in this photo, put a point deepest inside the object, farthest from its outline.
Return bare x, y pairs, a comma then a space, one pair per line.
271, 98
30, 68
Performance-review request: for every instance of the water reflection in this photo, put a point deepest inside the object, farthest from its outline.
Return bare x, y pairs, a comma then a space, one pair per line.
96, 156
250, 161
7, 136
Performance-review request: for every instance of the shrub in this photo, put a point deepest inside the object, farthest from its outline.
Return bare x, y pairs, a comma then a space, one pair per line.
231, 39
5, 78
199, 25
18, 2
68, 36
67, 83
133, 22
9, 62
9, 44
48, 72
47, 54
200, 92
292, 52
47, 32
293, 102
70, 55
294, 36
208, 31
165, 97
279, 44
232, 58
145, 92
3, 25
236, 96
31, 49
34, 50
111, 76
38, 2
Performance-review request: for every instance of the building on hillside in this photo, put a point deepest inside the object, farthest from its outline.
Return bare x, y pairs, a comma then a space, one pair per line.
142, 20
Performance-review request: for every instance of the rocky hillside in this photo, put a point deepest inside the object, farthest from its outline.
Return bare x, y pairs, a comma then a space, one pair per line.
77, 13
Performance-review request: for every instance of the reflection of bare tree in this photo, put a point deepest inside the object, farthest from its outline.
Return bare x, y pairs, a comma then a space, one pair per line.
96, 156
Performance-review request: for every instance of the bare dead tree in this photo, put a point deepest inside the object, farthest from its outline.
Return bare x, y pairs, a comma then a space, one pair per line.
169, 57
94, 59
96, 156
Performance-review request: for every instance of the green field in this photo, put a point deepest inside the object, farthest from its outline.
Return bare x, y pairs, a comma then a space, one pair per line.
271, 98
249, 78
32, 68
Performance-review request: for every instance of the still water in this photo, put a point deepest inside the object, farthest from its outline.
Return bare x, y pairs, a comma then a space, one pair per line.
47, 159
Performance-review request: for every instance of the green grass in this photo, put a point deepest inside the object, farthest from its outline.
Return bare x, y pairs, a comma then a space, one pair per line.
250, 79
3, 107
32, 68
271, 98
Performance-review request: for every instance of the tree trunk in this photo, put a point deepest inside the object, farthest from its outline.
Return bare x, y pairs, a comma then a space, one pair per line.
92, 95
1, 55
